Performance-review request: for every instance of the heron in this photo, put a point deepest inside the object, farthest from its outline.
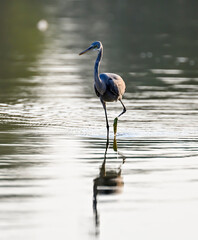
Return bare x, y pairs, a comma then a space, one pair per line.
109, 87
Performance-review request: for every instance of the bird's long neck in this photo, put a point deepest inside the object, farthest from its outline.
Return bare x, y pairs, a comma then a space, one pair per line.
100, 86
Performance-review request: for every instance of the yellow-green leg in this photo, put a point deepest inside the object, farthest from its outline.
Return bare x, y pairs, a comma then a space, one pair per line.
115, 123
116, 119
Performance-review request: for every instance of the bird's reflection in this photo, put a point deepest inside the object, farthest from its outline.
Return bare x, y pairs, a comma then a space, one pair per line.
108, 182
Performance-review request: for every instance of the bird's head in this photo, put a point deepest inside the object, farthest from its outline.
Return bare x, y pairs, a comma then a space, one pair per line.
94, 46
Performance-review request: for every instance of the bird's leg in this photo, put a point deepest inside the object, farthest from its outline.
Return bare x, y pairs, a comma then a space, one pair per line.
115, 126
107, 124
124, 108
115, 147
116, 119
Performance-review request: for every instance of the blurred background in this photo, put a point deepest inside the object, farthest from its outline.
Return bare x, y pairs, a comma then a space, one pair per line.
136, 37
52, 126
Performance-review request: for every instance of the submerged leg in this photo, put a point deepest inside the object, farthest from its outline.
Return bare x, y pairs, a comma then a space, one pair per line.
107, 124
116, 119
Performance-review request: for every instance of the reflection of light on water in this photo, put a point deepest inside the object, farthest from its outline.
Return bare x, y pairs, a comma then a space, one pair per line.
182, 59
166, 71
42, 25
174, 80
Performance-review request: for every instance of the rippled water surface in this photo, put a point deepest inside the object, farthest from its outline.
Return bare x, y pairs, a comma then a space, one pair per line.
59, 179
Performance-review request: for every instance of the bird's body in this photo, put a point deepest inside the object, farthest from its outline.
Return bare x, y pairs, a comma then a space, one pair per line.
115, 87
109, 87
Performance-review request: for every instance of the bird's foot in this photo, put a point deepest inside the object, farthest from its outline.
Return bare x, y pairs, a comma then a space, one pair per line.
115, 126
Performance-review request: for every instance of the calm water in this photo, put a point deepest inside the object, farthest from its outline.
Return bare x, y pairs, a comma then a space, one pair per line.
57, 179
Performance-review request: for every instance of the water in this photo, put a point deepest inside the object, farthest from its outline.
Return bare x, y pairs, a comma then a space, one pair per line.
57, 178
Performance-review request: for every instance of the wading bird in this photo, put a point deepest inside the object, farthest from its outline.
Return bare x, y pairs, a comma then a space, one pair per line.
109, 87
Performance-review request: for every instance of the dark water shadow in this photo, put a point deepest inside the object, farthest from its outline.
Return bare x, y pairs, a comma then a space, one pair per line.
108, 182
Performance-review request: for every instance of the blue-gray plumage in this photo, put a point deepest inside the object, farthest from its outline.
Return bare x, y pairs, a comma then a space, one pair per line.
109, 87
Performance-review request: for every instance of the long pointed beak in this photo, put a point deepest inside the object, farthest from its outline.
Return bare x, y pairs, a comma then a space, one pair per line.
86, 50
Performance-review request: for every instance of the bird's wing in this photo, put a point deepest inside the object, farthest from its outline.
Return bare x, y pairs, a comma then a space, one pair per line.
112, 86
96, 91
114, 83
